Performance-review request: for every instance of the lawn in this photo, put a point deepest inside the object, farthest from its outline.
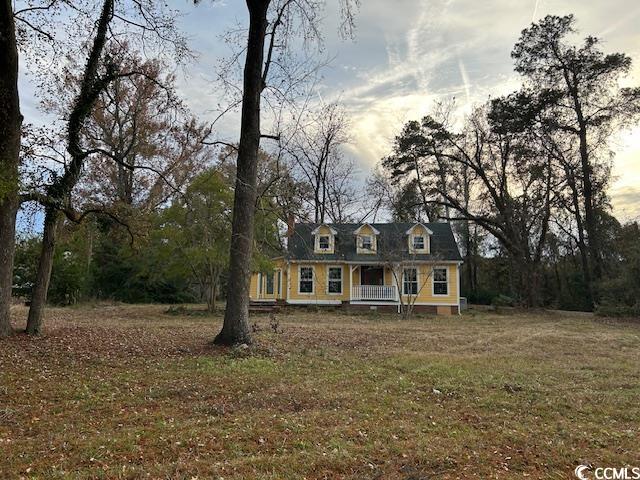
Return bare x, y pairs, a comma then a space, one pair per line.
136, 392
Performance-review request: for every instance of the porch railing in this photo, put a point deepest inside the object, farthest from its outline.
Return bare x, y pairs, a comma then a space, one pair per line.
374, 292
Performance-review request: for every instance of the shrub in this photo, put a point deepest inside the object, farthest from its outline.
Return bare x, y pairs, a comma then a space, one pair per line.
503, 301
618, 311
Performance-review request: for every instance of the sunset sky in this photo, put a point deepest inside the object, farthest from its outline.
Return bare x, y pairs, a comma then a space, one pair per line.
406, 54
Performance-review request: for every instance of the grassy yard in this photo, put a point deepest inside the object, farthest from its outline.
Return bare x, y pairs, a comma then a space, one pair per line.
134, 392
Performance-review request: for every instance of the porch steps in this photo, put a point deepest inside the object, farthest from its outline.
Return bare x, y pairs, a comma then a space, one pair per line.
263, 307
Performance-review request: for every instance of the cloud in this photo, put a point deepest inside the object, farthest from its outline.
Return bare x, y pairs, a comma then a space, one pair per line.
626, 202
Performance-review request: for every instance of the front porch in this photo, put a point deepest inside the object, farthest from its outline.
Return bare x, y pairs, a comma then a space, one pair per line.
373, 283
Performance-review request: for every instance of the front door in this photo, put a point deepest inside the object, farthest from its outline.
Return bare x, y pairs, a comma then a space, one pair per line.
371, 276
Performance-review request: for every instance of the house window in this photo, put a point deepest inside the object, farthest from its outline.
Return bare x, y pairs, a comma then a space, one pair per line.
323, 242
418, 243
269, 283
366, 242
410, 281
440, 283
335, 280
306, 279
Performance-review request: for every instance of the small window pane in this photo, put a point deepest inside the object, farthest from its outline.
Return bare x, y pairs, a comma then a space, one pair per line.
324, 242
418, 243
366, 242
440, 274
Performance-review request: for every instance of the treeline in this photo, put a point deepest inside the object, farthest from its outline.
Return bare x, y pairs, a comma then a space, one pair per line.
175, 254
525, 178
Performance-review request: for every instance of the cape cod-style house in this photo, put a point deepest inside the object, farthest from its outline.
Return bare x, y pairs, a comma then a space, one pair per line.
371, 265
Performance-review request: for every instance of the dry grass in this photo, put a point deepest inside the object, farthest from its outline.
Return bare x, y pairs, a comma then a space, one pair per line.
132, 392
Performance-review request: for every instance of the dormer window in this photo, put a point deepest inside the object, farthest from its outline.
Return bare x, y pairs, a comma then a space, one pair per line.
325, 239
323, 242
366, 242
418, 239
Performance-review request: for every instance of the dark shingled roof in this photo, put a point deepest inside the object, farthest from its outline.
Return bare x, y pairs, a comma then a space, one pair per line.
392, 243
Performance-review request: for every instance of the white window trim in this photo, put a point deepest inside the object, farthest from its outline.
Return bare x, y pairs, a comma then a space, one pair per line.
433, 281
328, 237
341, 279
259, 286
427, 243
313, 279
316, 243
417, 269
371, 239
278, 280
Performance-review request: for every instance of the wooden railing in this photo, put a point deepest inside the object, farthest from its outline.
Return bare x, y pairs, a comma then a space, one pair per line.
374, 292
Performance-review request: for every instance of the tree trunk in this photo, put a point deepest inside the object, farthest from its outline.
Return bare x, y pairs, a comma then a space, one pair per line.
235, 328
43, 277
589, 213
10, 126
61, 187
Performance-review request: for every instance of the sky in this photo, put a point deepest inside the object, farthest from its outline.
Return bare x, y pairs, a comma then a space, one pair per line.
408, 54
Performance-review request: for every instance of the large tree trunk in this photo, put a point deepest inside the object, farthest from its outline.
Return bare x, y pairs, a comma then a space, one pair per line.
60, 189
236, 316
52, 220
10, 126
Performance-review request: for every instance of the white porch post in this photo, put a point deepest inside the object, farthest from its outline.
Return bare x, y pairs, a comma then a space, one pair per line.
351, 269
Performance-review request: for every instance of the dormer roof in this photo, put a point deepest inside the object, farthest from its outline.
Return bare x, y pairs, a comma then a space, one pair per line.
410, 231
331, 229
373, 229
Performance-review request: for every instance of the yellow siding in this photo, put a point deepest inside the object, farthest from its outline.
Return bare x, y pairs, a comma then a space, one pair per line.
320, 293
320, 284
254, 294
425, 285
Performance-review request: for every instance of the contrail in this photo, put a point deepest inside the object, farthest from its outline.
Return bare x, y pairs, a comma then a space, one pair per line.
535, 11
465, 80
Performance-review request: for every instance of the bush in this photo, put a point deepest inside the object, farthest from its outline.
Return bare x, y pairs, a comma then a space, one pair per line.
503, 301
618, 311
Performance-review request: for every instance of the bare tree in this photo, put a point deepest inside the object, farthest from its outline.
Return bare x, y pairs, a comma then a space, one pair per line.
272, 25
315, 148
100, 71
509, 188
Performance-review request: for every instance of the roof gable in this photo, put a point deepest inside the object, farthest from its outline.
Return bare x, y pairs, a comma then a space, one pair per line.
358, 230
319, 227
416, 225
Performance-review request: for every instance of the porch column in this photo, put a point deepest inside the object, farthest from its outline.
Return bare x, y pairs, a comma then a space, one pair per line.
351, 270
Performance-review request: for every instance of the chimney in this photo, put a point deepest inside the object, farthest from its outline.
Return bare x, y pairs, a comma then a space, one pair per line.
291, 222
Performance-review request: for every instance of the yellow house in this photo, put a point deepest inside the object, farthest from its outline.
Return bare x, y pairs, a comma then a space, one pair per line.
386, 266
